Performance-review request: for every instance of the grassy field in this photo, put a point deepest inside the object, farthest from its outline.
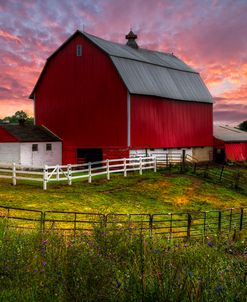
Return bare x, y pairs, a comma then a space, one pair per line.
118, 266
149, 193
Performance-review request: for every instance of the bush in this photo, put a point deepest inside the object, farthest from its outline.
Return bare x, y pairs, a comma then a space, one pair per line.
119, 266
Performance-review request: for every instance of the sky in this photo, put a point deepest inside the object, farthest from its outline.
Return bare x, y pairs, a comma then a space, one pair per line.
209, 35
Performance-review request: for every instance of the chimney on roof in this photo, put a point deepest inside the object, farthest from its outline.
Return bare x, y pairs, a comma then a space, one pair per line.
131, 37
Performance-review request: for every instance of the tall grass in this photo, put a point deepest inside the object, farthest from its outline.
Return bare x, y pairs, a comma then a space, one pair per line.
119, 266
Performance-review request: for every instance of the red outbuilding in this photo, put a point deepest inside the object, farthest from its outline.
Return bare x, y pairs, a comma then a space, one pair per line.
229, 144
109, 100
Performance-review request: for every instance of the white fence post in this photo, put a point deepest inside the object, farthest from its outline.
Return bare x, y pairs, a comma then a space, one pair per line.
125, 168
89, 172
155, 163
14, 174
140, 166
69, 175
45, 177
57, 168
107, 169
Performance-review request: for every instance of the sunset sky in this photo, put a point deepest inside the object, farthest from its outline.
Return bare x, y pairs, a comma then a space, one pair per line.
211, 36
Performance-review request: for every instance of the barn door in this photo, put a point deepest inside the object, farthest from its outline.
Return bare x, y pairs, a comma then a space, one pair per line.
219, 155
89, 155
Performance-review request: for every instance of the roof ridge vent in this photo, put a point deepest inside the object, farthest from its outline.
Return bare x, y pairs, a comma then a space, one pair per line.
131, 37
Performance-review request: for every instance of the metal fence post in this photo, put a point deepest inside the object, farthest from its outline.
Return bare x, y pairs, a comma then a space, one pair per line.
221, 172
107, 169
219, 221
241, 219
41, 221
237, 180
89, 172
14, 174
151, 224
189, 225
230, 222
45, 177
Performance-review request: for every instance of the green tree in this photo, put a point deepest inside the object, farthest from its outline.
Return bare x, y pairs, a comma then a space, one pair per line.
243, 126
19, 117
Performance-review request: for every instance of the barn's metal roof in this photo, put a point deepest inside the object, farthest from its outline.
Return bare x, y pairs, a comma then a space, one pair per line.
229, 134
30, 133
154, 73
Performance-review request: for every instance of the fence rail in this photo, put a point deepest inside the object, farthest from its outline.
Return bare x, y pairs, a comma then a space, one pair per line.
68, 173
223, 174
169, 225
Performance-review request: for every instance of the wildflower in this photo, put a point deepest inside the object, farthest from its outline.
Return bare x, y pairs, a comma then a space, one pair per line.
190, 274
210, 244
45, 241
186, 245
157, 251
218, 288
44, 263
118, 284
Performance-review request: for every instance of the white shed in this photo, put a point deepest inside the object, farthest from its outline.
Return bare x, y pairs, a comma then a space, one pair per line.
29, 145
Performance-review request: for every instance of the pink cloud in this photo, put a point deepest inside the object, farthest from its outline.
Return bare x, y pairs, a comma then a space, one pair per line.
9, 37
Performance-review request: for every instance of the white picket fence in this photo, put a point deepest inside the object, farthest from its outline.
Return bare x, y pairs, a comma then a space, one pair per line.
68, 173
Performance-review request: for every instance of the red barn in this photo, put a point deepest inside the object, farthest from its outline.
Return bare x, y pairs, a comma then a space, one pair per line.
108, 100
229, 144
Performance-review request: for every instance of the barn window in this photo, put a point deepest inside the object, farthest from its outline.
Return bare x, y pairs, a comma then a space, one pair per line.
78, 50
34, 147
48, 147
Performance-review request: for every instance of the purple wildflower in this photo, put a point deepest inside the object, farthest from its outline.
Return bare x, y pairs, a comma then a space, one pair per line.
45, 241
118, 284
210, 244
186, 245
218, 288
44, 263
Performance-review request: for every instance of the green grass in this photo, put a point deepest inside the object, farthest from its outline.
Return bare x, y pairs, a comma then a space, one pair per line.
149, 193
118, 266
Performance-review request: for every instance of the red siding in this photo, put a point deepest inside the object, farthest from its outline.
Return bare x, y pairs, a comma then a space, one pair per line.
157, 123
218, 143
83, 100
6, 137
237, 151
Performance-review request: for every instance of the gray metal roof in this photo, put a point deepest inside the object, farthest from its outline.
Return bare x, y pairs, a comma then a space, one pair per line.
154, 73
229, 134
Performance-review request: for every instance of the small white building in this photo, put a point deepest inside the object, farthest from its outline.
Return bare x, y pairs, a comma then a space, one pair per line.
29, 145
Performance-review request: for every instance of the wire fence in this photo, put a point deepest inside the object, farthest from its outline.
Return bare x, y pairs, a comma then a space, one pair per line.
169, 225
233, 177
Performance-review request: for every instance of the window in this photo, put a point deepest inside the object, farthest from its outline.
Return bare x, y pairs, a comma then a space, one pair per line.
78, 50
34, 147
48, 147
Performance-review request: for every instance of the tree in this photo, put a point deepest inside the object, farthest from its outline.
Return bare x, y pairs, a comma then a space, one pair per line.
19, 117
243, 126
